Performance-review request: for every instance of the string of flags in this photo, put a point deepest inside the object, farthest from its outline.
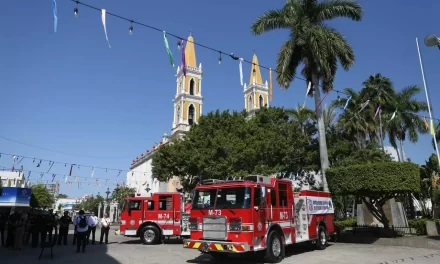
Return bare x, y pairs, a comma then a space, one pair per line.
96, 183
180, 42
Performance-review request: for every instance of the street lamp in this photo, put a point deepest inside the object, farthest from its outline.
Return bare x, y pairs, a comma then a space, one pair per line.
432, 40
108, 192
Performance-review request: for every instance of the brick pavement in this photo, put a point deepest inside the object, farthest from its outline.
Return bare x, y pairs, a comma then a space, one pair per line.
129, 251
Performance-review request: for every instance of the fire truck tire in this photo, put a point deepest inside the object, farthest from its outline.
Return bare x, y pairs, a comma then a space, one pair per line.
150, 235
274, 248
322, 241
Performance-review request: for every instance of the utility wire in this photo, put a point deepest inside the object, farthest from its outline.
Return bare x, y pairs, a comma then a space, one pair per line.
59, 152
234, 57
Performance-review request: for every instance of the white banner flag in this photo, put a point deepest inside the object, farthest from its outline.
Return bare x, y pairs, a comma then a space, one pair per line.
105, 28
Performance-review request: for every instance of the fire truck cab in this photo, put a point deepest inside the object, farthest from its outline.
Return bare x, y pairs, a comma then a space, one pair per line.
257, 214
154, 218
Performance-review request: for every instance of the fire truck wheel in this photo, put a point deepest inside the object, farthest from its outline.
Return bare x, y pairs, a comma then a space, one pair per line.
322, 242
274, 248
150, 235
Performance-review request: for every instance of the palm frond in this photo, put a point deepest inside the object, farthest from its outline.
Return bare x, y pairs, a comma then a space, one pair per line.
331, 9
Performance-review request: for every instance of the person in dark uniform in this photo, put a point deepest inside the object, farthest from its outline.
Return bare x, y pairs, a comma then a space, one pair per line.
42, 227
51, 223
36, 223
30, 223
11, 230
3, 221
64, 222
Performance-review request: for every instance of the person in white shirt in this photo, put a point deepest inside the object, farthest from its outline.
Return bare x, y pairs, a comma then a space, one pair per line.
82, 224
105, 228
92, 228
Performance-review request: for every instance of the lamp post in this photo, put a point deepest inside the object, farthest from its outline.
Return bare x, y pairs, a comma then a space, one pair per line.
430, 41
107, 192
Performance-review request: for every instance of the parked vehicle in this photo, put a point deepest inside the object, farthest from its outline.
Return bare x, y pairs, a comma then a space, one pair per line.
154, 218
257, 214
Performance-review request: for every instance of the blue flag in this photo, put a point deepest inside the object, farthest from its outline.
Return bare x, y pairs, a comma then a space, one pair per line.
55, 16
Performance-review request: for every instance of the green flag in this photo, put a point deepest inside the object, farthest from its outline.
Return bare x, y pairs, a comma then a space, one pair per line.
168, 48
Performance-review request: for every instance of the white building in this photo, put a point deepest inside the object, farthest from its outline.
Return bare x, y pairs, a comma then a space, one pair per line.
66, 204
13, 179
187, 106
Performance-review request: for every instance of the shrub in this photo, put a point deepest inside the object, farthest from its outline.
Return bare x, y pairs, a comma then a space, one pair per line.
375, 183
420, 225
375, 178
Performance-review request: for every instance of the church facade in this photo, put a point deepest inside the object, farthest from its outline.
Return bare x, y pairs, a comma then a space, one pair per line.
187, 105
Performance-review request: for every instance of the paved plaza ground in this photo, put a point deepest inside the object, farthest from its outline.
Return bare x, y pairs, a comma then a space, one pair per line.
122, 250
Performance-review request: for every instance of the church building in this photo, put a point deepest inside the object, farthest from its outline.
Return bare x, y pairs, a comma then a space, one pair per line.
187, 105
256, 94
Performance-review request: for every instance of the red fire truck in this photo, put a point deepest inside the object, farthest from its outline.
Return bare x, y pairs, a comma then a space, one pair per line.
257, 214
154, 218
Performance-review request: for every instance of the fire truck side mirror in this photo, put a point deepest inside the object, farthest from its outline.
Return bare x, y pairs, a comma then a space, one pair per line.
256, 208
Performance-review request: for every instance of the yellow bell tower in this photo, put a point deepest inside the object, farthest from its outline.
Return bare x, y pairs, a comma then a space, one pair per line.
256, 94
188, 100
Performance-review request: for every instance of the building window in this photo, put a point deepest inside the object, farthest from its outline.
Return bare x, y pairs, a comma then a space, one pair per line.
251, 105
191, 115
191, 87
261, 101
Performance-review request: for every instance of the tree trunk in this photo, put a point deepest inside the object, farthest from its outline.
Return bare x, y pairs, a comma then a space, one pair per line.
321, 133
398, 154
403, 151
380, 130
384, 220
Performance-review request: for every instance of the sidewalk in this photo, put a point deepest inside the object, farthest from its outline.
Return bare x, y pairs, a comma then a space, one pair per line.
432, 242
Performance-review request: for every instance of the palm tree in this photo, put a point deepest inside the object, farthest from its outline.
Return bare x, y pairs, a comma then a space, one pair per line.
407, 122
353, 121
314, 44
380, 91
302, 116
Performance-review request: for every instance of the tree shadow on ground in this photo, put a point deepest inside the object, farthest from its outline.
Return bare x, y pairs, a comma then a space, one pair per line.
136, 240
96, 254
252, 258
434, 237
358, 238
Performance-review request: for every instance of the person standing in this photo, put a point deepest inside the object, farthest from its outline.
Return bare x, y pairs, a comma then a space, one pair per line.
51, 223
19, 231
3, 221
92, 228
82, 223
105, 228
64, 222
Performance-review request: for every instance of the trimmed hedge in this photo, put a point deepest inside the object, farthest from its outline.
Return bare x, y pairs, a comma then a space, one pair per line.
374, 178
420, 225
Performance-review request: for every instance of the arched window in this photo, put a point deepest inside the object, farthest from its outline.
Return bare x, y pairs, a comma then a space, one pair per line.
192, 83
250, 103
261, 101
191, 115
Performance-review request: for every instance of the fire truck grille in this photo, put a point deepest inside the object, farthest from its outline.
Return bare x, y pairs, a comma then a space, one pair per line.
214, 227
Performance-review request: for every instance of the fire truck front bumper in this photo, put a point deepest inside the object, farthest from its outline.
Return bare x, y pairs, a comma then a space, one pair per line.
216, 246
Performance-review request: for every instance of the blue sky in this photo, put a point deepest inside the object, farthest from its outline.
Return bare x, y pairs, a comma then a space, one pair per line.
67, 91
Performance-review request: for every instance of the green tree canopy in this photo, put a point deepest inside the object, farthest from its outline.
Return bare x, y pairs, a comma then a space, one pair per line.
375, 183
61, 196
91, 204
40, 197
225, 144
122, 192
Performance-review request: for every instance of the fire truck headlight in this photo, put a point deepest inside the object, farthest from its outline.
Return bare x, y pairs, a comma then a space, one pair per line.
235, 224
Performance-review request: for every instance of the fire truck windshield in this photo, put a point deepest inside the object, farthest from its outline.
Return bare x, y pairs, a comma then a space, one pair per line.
223, 198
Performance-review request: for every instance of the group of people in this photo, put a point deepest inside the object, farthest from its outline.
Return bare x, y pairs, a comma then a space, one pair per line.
86, 226
19, 228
